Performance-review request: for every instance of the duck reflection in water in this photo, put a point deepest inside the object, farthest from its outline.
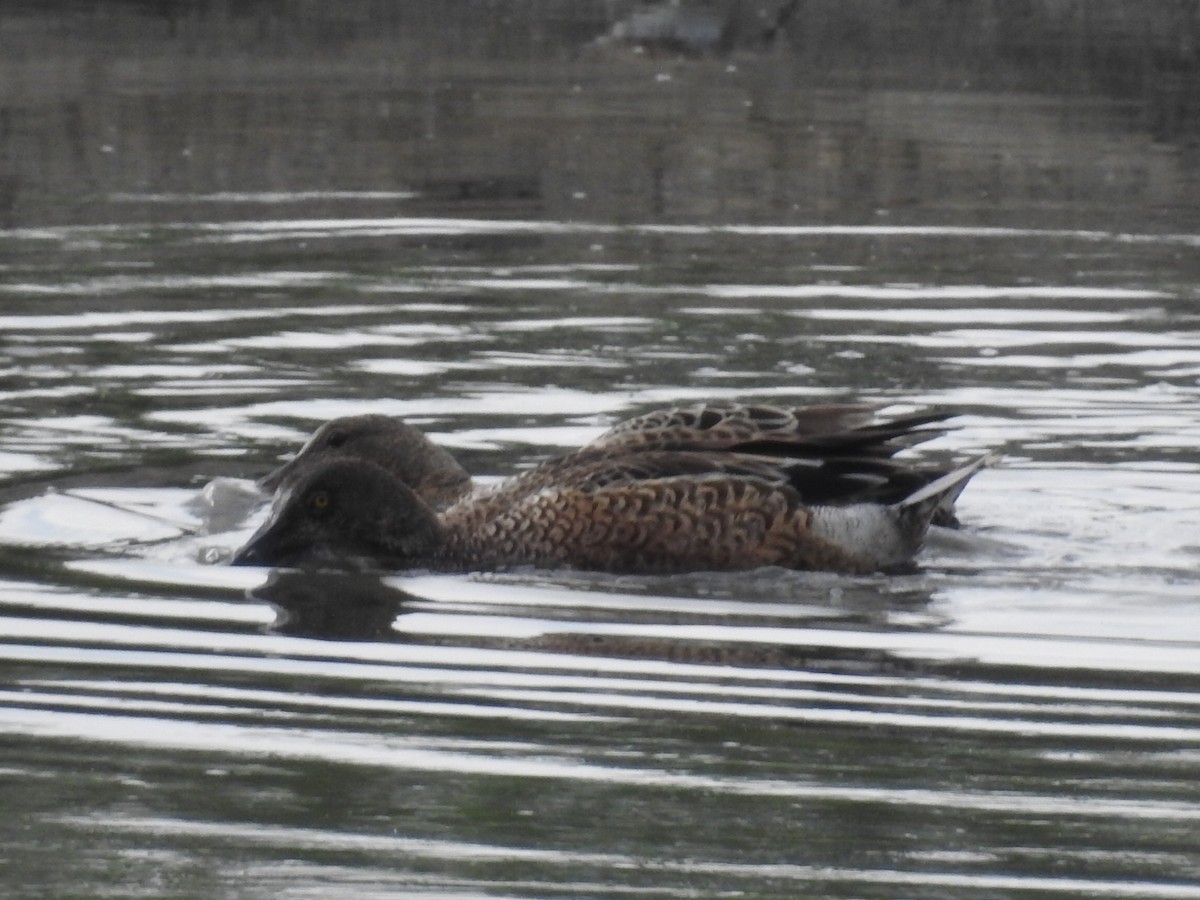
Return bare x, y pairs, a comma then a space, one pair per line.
706, 487
342, 606
358, 606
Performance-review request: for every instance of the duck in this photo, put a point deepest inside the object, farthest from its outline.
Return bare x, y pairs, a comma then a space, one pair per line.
705, 487
390, 442
438, 478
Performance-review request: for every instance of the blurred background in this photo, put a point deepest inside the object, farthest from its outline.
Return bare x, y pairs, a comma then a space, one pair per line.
963, 111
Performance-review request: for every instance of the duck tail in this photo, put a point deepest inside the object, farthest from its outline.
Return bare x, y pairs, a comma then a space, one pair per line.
923, 504
912, 516
884, 537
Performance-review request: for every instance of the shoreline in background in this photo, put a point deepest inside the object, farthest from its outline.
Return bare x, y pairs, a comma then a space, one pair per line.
971, 112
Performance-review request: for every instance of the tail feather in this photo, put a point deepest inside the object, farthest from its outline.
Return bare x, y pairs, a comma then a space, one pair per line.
943, 491
935, 501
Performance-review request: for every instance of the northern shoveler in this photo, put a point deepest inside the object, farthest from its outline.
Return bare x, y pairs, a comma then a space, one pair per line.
706, 487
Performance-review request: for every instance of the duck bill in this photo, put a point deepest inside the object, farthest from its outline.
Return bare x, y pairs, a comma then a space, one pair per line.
250, 554
266, 547
278, 544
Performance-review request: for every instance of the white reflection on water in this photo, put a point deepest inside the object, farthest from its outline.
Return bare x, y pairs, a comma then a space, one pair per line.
88, 320
82, 521
394, 846
272, 229
1153, 362
924, 292
510, 400
420, 754
23, 462
989, 314
130, 697
130, 284
28, 596
309, 340
240, 231
1042, 666
477, 669
258, 196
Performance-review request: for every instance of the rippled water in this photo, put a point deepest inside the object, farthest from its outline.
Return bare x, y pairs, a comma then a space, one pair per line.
225, 227
1020, 716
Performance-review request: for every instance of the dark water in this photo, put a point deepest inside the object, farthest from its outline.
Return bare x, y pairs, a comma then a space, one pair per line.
575, 233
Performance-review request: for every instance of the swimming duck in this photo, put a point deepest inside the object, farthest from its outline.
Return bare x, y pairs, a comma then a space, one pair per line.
820, 431
392, 443
697, 488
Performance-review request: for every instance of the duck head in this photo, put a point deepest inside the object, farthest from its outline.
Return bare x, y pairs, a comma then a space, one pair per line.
389, 442
344, 514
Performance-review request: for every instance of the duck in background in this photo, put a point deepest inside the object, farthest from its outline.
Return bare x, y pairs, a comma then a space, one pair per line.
389, 442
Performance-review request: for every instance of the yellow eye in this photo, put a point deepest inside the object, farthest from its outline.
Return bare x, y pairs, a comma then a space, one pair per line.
320, 500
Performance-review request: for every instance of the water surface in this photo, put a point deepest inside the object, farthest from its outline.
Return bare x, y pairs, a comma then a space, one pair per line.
1020, 716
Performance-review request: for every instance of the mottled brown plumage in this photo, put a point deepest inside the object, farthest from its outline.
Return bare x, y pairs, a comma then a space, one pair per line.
721, 425
840, 440
689, 489
681, 523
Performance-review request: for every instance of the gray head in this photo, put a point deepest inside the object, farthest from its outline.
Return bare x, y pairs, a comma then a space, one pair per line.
344, 514
388, 442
